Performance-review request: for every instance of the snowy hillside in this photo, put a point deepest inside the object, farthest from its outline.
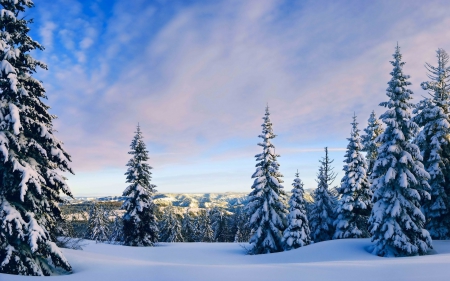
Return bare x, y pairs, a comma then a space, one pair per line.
189, 200
332, 260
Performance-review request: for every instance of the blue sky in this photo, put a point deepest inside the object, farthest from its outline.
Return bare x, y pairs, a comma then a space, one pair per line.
197, 75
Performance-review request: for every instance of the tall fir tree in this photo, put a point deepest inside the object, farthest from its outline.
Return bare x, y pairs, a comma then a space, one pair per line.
139, 221
265, 206
399, 180
297, 234
170, 227
322, 211
370, 145
31, 157
434, 143
355, 204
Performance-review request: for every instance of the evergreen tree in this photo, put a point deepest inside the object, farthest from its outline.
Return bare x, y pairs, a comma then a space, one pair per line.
98, 224
219, 224
399, 180
434, 143
370, 145
187, 227
31, 156
241, 229
355, 205
139, 222
265, 207
203, 229
116, 234
322, 212
297, 234
170, 227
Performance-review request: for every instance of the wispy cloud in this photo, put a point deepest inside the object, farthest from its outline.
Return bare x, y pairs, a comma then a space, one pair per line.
197, 76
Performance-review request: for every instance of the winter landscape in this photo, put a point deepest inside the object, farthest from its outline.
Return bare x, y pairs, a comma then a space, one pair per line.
230, 140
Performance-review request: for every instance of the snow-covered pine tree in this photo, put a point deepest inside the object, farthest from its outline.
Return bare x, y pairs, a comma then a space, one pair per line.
170, 226
240, 225
187, 227
399, 180
322, 212
203, 229
219, 224
139, 221
297, 234
265, 206
30, 155
98, 224
355, 204
370, 146
116, 233
434, 143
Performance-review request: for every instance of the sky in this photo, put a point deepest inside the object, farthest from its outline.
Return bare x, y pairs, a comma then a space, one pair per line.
197, 76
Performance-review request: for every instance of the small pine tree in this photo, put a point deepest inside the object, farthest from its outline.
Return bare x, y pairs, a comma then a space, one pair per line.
139, 221
116, 234
98, 224
434, 144
297, 234
170, 227
219, 224
241, 228
203, 229
399, 180
265, 205
322, 212
355, 205
368, 140
31, 157
187, 227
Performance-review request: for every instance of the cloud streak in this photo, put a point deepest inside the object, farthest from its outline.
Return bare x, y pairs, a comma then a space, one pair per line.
197, 76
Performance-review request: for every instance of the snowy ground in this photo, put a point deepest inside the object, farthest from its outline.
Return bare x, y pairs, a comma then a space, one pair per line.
331, 260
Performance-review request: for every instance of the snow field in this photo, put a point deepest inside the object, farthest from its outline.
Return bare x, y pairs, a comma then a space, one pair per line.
346, 259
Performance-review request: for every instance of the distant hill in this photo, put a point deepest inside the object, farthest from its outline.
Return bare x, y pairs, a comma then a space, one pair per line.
187, 200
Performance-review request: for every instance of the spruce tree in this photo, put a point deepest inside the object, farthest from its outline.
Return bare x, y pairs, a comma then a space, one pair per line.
368, 140
98, 224
297, 234
434, 143
399, 180
265, 206
116, 233
354, 207
219, 224
139, 221
187, 227
31, 157
203, 229
170, 227
241, 230
322, 211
